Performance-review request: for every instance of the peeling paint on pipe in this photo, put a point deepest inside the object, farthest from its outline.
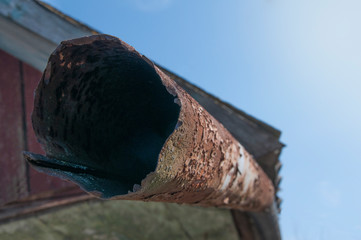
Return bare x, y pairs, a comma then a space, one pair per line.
115, 124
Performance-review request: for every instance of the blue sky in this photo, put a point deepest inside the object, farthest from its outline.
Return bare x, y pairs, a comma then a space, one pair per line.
293, 64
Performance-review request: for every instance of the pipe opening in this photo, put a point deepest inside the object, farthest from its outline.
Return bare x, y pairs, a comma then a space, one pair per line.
102, 115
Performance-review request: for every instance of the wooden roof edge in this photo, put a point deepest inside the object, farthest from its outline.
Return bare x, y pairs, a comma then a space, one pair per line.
275, 132
46, 22
67, 18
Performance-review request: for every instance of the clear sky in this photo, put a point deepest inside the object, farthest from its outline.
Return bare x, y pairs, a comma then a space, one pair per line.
293, 64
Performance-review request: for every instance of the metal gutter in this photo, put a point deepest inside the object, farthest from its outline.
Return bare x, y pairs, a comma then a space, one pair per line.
199, 162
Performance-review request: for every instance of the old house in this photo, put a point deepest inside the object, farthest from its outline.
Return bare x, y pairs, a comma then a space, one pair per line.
29, 31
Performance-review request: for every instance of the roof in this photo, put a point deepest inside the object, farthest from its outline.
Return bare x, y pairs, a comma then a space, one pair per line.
31, 30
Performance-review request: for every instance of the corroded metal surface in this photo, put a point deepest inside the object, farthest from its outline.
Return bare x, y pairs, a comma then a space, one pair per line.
199, 163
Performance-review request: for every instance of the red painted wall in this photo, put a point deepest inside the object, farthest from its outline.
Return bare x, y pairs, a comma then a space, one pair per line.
13, 180
18, 81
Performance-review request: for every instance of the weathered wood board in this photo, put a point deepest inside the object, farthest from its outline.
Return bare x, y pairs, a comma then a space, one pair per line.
126, 220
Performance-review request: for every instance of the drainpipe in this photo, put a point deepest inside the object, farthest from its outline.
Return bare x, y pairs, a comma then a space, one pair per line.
116, 125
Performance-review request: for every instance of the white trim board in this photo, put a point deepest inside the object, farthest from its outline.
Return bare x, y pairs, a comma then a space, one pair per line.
31, 32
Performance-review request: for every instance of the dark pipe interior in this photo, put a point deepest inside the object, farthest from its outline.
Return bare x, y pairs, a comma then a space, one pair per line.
102, 115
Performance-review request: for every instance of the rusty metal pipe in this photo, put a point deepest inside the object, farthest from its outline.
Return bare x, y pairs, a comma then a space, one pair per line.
112, 122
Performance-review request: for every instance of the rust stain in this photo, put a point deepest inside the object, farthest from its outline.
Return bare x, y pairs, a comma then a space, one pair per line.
203, 164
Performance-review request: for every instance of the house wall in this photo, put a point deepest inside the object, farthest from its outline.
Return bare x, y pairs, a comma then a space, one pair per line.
18, 81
